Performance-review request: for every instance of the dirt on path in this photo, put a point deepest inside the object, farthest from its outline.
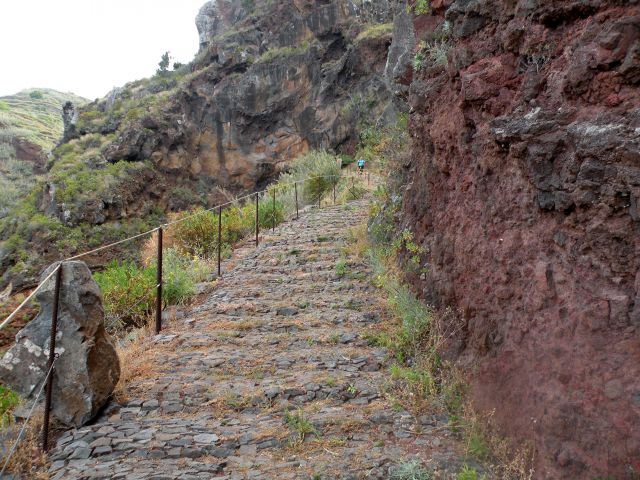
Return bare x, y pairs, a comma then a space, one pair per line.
269, 377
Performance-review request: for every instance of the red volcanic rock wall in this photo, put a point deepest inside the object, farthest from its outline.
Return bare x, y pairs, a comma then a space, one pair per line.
524, 187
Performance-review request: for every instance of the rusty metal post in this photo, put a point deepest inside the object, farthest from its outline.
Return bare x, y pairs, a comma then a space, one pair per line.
159, 284
52, 353
368, 179
296, 188
219, 241
319, 199
257, 217
273, 224
334, 193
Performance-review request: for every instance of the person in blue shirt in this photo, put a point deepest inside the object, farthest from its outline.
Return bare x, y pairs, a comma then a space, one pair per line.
361, 165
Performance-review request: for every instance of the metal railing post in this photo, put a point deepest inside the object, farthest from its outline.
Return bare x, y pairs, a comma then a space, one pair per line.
296, 189
219, 240
159, 283
334, 193
273, 224
52, 353
257, 217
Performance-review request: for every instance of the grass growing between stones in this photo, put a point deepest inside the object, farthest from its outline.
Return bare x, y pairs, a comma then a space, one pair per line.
415, 335
140, 360
300, 425
27, 461
411, 470
468, 473
9, 400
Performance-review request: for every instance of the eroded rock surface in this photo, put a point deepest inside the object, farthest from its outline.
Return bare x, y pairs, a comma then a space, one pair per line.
87, 369
524, 189
270, 83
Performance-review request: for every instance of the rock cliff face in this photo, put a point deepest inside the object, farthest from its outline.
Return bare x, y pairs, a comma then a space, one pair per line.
525, 191
271, 81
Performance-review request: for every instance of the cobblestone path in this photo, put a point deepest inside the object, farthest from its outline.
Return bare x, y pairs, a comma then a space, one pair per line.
269, 377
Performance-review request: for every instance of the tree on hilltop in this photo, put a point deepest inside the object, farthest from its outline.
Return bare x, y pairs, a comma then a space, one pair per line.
163, 64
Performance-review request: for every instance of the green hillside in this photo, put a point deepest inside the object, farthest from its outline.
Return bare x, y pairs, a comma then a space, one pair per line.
30, 126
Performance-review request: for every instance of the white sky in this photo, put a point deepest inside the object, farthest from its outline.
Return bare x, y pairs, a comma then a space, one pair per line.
90, 46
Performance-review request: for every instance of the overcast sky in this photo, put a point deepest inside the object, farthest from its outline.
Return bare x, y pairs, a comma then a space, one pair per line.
90, 46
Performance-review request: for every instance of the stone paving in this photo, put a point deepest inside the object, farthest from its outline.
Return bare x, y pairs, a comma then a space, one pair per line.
268, 377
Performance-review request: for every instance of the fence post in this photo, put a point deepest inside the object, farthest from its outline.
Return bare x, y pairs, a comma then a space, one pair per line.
219, 240
334, 193
257, 217
159, 283
52, 353
368, 179
296, 188
273, 224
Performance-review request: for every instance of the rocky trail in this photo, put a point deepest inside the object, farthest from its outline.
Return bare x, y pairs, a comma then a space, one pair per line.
269, 376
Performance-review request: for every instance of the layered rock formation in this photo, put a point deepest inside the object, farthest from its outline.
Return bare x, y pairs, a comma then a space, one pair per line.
271, 81
87, 369
525, 190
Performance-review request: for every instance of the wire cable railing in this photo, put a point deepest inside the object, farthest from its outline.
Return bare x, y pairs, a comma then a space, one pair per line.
25, 423
58, 273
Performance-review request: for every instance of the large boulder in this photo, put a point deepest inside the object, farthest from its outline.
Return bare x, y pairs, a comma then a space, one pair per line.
87, 369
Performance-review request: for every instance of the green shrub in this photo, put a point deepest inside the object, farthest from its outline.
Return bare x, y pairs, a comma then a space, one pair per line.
129, 290
477, 445
347, 160
179, 276
268, 214
431, 54
412, 470
36, 95
300, 425
418, 379
320, 168
468, 473
350, 189
283, 52
196, 233
341, 268
316, 186
374, 31
9, 400
128, 294
421, 7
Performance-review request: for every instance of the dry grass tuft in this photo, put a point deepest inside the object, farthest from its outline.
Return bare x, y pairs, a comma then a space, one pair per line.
482, 440
357, 241
139, 359
28, 462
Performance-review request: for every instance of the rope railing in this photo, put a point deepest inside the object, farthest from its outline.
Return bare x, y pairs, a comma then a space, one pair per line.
26, 300
9, 318
58, 273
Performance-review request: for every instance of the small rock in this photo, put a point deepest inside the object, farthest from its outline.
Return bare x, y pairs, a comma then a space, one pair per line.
347, 337
287, 311
206, 438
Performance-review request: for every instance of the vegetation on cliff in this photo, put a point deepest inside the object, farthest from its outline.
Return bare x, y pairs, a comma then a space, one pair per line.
229, 122
30, 126
191, 241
